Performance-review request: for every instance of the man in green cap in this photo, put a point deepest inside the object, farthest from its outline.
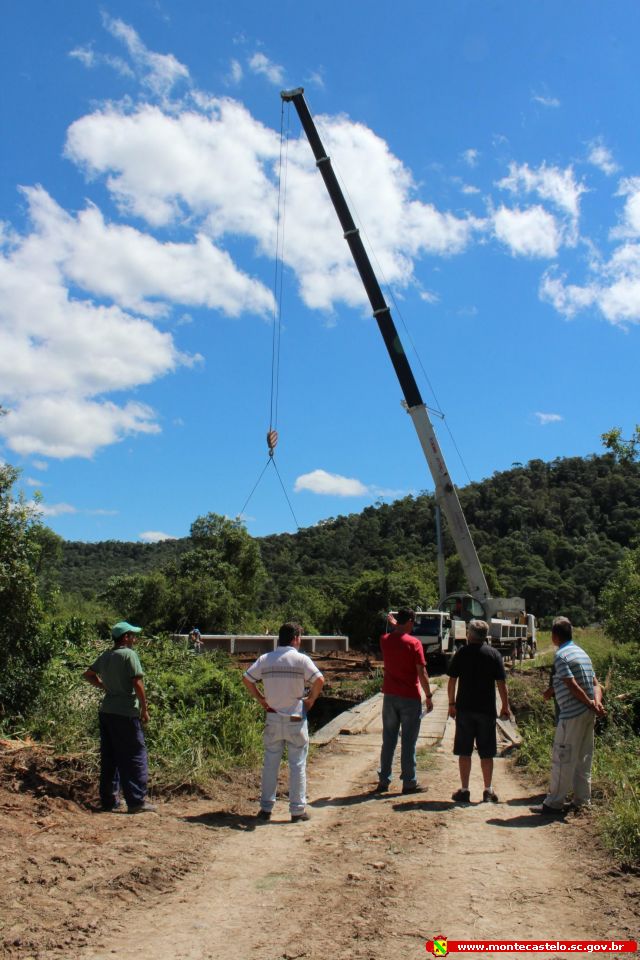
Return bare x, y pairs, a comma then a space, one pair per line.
123, 753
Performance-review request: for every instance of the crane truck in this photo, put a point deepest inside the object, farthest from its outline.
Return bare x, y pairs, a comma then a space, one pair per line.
510, 629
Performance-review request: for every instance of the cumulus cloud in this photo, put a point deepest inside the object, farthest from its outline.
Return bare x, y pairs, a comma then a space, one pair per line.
260, 64
630, 222
613, 288
553, 184
32, 482
601, 157
546, 418
330, 484
219, 168
155, 536
532, 232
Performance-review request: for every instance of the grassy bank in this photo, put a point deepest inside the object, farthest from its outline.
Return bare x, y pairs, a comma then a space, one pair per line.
201, 723
616, 768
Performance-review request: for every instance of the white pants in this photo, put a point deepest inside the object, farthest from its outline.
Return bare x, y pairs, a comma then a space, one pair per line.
571, 763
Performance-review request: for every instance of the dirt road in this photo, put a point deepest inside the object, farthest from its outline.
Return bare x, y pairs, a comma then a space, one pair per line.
366, 878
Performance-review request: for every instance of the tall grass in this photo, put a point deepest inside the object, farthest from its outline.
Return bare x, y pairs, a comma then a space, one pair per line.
616, 768
201, 720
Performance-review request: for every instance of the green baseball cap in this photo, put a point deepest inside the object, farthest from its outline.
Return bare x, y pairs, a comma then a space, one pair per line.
123, 627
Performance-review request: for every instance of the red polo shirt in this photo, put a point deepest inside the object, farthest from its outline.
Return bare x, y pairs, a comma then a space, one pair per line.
402, 655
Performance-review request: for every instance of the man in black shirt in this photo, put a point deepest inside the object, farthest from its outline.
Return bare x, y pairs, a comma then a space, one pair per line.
476, 668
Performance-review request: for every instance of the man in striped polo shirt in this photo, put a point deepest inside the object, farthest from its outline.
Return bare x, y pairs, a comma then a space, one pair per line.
285, 672
579, 698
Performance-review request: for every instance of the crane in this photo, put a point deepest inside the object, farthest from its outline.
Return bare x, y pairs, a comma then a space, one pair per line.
502, 611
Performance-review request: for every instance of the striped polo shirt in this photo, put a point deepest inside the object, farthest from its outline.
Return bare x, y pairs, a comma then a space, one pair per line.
571, 661
284, 673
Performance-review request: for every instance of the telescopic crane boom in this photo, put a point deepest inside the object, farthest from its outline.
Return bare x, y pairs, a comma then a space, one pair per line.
445, 492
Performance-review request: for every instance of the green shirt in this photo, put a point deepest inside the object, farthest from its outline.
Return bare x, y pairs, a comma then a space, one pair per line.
117, 669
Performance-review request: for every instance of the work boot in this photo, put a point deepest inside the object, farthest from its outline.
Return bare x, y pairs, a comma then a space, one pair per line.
145, 807
300, 817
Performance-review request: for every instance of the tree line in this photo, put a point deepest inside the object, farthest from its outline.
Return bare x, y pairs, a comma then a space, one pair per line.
551, 532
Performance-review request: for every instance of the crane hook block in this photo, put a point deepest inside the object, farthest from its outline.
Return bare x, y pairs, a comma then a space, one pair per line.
272, 440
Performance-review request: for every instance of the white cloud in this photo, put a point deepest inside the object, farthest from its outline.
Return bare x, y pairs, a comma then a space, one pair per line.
471, 157
31, 482
261, 64
41, 464
630, 224
52, 509
614, 288
545, 418
235, 74
428, 296
529, 233
158, 72
469, 189
90, 59
218, 170
544, 101
549, 183
155, 536
601, 157
315, 79
330, 484
64, 426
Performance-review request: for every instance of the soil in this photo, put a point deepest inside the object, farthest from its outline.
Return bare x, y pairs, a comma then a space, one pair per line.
371, 877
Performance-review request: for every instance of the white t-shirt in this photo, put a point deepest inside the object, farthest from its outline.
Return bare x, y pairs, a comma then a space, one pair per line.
284, 673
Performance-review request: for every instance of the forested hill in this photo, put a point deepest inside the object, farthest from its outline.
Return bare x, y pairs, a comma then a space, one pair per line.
551, 532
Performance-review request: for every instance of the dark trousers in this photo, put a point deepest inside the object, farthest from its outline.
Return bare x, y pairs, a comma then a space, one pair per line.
123, 760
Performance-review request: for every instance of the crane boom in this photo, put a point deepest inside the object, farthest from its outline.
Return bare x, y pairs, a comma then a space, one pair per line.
445, 491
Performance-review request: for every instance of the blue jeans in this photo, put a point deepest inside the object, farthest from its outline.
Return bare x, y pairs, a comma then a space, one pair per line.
123, 760
280, 730
399, 714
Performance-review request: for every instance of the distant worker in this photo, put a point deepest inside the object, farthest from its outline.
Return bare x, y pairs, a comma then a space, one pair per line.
579, 698
405, 671
476, 669
123, 753
284, 673
196, 640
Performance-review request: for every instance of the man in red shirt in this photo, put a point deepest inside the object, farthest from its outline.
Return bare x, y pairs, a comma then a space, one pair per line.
405, 672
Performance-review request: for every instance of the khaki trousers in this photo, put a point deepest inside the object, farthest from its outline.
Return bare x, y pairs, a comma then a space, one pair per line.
571, 762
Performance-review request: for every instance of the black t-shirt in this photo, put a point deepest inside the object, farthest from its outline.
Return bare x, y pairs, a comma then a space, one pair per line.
477, 666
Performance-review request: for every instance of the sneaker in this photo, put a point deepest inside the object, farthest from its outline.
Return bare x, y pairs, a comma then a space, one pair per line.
263, 815
489, 796
461, 796
545, 810
412, 788
143, 808
300, 817
381, 787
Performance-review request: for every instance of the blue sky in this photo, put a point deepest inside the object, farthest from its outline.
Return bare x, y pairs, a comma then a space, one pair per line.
490, 152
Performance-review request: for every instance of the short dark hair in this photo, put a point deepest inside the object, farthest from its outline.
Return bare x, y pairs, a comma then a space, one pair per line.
287, 633
562, 628
405, 614
478, 630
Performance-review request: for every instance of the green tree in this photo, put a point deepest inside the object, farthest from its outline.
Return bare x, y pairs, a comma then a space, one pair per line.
25, 647
625, 451
621, 600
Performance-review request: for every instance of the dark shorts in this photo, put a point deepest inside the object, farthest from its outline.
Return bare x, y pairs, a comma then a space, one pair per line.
475, 728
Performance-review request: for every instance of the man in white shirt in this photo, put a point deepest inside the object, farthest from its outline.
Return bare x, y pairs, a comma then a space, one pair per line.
285, 672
